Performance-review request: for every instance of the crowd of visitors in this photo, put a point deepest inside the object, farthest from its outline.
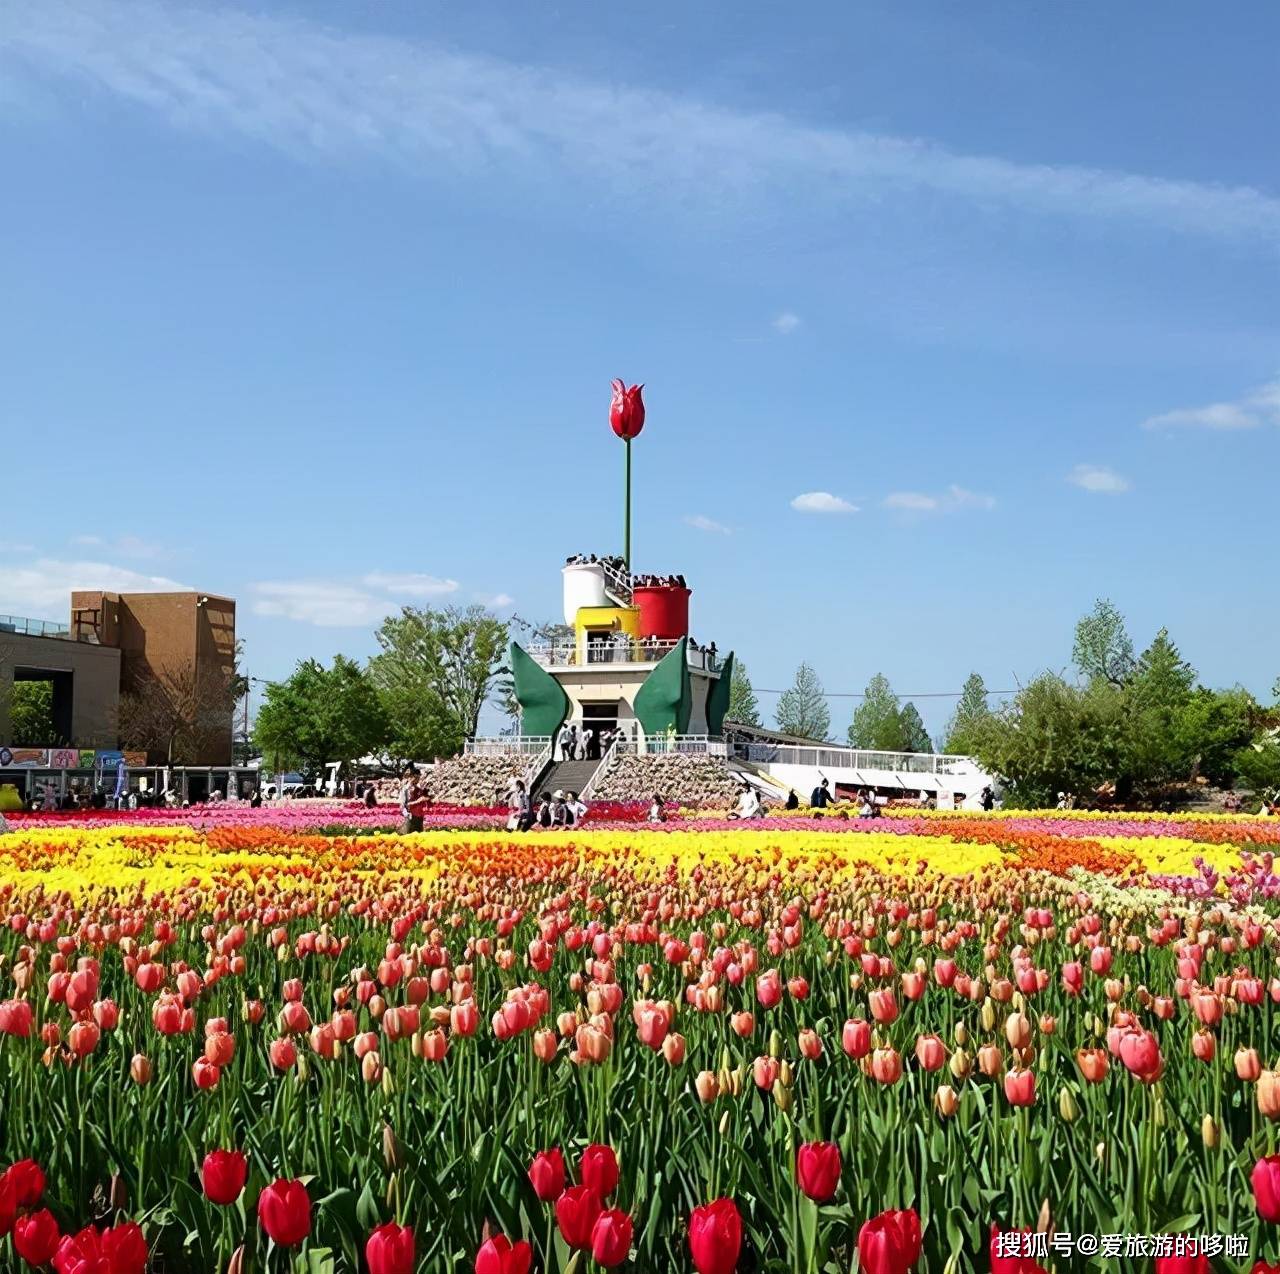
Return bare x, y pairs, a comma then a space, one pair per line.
551, 809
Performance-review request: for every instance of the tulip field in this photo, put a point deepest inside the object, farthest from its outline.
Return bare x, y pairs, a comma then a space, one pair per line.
932, 1042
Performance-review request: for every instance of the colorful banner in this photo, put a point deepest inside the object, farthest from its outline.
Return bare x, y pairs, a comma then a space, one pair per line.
64, 758
24, 758
87, 757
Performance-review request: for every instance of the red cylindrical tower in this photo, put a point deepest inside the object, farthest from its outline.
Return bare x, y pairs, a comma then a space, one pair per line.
664, 611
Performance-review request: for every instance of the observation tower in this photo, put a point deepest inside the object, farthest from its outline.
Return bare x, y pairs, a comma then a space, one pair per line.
630, 664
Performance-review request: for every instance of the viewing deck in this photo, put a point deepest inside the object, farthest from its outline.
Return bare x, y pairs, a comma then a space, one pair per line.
621, 651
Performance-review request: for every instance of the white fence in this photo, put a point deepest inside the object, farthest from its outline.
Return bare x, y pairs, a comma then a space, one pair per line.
619, 651
850, 758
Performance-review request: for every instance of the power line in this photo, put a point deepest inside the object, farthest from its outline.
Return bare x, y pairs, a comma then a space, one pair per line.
845, 694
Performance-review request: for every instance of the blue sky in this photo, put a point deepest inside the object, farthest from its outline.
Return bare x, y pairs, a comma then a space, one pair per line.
317, 305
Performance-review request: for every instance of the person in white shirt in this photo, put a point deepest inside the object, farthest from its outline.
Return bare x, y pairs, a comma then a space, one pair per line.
584, 748
576, 808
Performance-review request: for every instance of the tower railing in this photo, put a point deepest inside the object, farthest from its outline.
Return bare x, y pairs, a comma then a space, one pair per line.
620, 650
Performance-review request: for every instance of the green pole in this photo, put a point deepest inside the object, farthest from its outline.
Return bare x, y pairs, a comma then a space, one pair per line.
626, 539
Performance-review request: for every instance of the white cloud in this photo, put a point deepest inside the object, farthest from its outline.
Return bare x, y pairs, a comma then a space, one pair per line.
954, 500
700, 522
410, 585
786, 323
324, 603
295, 85
361, 603
42, 589
1098, 479
822, 502
495, 601
913, 501
1261, 406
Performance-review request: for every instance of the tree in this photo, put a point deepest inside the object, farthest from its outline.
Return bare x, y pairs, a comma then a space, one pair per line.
31, 715
915, 738
319, 715
744, 708
435, 671
802, 709
877, 722
1160, 749
179, 716
971, 714
1054, 737
1103, 649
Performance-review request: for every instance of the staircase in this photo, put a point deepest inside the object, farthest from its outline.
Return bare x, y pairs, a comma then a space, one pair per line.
565, 776
617, 585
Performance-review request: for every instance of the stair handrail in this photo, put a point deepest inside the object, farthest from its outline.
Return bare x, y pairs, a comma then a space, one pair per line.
538, 764
610, 755
618, 583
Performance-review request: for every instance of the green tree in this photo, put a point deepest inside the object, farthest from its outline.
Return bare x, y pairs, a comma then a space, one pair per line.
877, 721
744, 708
1103, 649
802, 709
319, 715
970, 715
1161, 746
434, 673
915, 738
31, 715
1054, 737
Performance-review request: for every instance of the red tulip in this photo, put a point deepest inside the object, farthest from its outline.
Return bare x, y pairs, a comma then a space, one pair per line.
611, 1238
222, 1175
626, 412
1020, 1088
1266, 1188
8, 1205
1183, 1265
284, 1212
81, 1253
15, 1018
715, 1237
36, 1236
576, 1212
598, 1168
124, 1248
500, 1256
546, 1174
890, 1242
818, 1169
389, 1249
1003, 1263
27, 1179
1261, 1267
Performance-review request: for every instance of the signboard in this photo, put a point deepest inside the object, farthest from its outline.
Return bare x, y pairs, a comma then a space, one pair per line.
64, 758
23, 758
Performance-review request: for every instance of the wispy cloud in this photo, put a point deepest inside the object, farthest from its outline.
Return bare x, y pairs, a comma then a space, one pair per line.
700, 522
311, 92
1098, 480
822, 502
786, 323
496, 601
42, 588
339, 603
410, 585
122, 546
953, 500
1259, 407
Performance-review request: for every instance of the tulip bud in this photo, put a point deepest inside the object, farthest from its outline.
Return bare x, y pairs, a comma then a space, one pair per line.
1209, 1132
140, 1069
236, 1264
782, 1096
987, 1016
1067, 1107
392, 1152
961, 1064
945, 1101
706, 1086
786, 1077
724, 1123
961, 1035
775, 1043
